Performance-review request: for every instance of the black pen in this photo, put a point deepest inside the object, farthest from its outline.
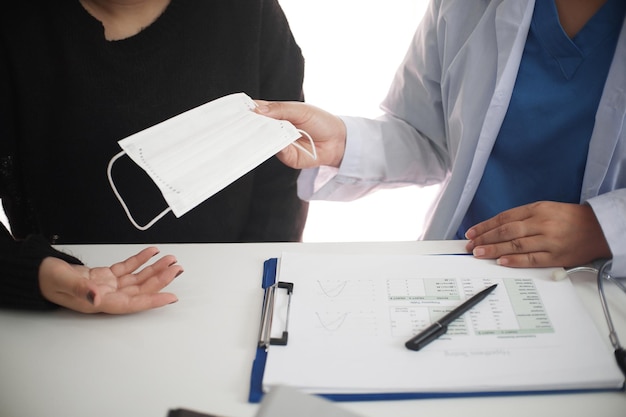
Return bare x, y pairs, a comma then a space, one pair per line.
440, 327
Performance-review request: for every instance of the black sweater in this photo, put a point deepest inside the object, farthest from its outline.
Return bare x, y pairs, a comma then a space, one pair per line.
67, 96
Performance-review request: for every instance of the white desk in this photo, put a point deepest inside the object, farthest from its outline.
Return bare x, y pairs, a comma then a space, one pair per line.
198, 352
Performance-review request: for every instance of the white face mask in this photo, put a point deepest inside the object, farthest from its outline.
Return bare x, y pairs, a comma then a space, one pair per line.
194, 155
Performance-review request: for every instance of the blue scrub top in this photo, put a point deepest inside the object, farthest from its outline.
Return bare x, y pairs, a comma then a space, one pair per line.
541, 150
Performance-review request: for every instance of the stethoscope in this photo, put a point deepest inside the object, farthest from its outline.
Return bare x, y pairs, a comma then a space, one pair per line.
602, 274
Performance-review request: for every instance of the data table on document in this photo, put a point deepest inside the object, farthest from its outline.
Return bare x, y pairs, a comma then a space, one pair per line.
416, 303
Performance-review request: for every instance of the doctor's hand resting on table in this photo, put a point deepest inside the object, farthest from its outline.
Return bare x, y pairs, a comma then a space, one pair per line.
540, 234
520, 122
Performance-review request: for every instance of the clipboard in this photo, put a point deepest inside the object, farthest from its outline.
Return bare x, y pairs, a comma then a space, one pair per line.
265, 339
385, 278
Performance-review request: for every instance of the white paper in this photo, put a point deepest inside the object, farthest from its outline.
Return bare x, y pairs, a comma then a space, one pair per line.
351, 315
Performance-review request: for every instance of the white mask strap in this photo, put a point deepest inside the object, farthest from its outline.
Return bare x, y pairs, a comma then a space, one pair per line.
313, 153
119, 197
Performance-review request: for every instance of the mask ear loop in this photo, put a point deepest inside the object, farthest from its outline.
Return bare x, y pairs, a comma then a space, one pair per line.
313, 153
119, 197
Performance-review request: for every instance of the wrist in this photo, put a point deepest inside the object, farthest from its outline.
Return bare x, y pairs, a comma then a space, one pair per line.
339, 143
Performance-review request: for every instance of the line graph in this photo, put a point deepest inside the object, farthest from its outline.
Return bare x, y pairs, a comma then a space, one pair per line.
357, 323
332, 289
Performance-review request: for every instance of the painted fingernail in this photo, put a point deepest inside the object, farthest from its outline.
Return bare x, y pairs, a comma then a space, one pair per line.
91, 297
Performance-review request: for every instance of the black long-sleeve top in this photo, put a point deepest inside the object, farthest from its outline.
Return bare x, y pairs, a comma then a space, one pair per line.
67, 96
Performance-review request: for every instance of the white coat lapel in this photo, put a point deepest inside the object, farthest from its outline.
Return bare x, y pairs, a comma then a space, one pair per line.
602, 173
512, 22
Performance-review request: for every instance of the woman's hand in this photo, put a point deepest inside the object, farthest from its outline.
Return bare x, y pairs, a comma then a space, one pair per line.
542, 234
327, 131
118, 289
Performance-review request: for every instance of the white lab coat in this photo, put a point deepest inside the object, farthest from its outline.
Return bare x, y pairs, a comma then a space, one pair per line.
443, 113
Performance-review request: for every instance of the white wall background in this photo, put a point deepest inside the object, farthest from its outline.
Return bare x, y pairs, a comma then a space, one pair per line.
352, 49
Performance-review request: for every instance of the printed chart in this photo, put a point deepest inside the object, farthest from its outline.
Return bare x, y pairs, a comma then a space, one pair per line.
349, 306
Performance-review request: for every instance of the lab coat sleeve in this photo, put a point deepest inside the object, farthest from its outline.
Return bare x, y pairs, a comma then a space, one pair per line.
610, 209
381, 153
406, 145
